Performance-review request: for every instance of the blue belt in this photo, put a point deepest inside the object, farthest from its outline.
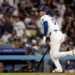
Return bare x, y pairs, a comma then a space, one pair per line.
51, 32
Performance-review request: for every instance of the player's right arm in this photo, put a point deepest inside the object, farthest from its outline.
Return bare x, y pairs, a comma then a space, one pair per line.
45, 26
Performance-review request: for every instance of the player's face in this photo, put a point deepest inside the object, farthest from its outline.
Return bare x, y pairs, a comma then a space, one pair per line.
42, 13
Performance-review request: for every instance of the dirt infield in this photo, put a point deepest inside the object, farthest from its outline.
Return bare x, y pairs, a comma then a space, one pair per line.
37, 74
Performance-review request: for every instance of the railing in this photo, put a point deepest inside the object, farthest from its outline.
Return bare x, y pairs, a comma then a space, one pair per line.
30, 57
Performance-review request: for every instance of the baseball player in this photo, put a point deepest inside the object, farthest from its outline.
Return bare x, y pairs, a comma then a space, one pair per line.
52, 28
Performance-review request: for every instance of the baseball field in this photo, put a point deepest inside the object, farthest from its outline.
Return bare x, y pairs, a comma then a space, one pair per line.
37, 74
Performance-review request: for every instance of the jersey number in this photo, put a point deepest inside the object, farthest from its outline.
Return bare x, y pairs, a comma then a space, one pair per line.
53, 20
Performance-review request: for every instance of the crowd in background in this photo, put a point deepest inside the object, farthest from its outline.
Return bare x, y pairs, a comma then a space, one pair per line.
20, 23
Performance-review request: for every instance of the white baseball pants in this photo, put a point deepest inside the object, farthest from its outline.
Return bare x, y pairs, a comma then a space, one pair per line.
56, 39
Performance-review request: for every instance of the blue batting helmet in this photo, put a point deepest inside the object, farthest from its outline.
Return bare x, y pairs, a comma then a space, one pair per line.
47, 10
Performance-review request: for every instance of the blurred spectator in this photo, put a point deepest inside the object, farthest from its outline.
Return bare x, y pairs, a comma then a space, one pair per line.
59, 20
28, 5
19, 26
27, 19
15, 11
29, 51
34, 44
61, 7
13, 38
7, 24
25, 41
6, 36
22, 10
69, 12
32, 27
16, 44
39, 25
72, 31
6, 6
64, 45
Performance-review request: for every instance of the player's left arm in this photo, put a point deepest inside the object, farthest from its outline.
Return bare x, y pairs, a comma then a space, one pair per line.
45, 25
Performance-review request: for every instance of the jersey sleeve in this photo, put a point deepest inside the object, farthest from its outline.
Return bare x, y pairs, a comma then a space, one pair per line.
43, 18
45, 25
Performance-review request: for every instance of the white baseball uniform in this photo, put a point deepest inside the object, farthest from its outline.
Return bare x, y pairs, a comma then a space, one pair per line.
57, 37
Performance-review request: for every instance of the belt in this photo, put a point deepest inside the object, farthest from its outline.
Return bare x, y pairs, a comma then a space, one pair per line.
54, 31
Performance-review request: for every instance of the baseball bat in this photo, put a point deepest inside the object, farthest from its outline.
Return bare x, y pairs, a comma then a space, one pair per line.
48, 49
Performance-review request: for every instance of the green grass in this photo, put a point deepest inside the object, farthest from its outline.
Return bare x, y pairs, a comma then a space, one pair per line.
37, 74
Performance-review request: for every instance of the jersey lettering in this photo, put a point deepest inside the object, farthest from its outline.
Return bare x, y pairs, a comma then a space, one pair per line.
53, 20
